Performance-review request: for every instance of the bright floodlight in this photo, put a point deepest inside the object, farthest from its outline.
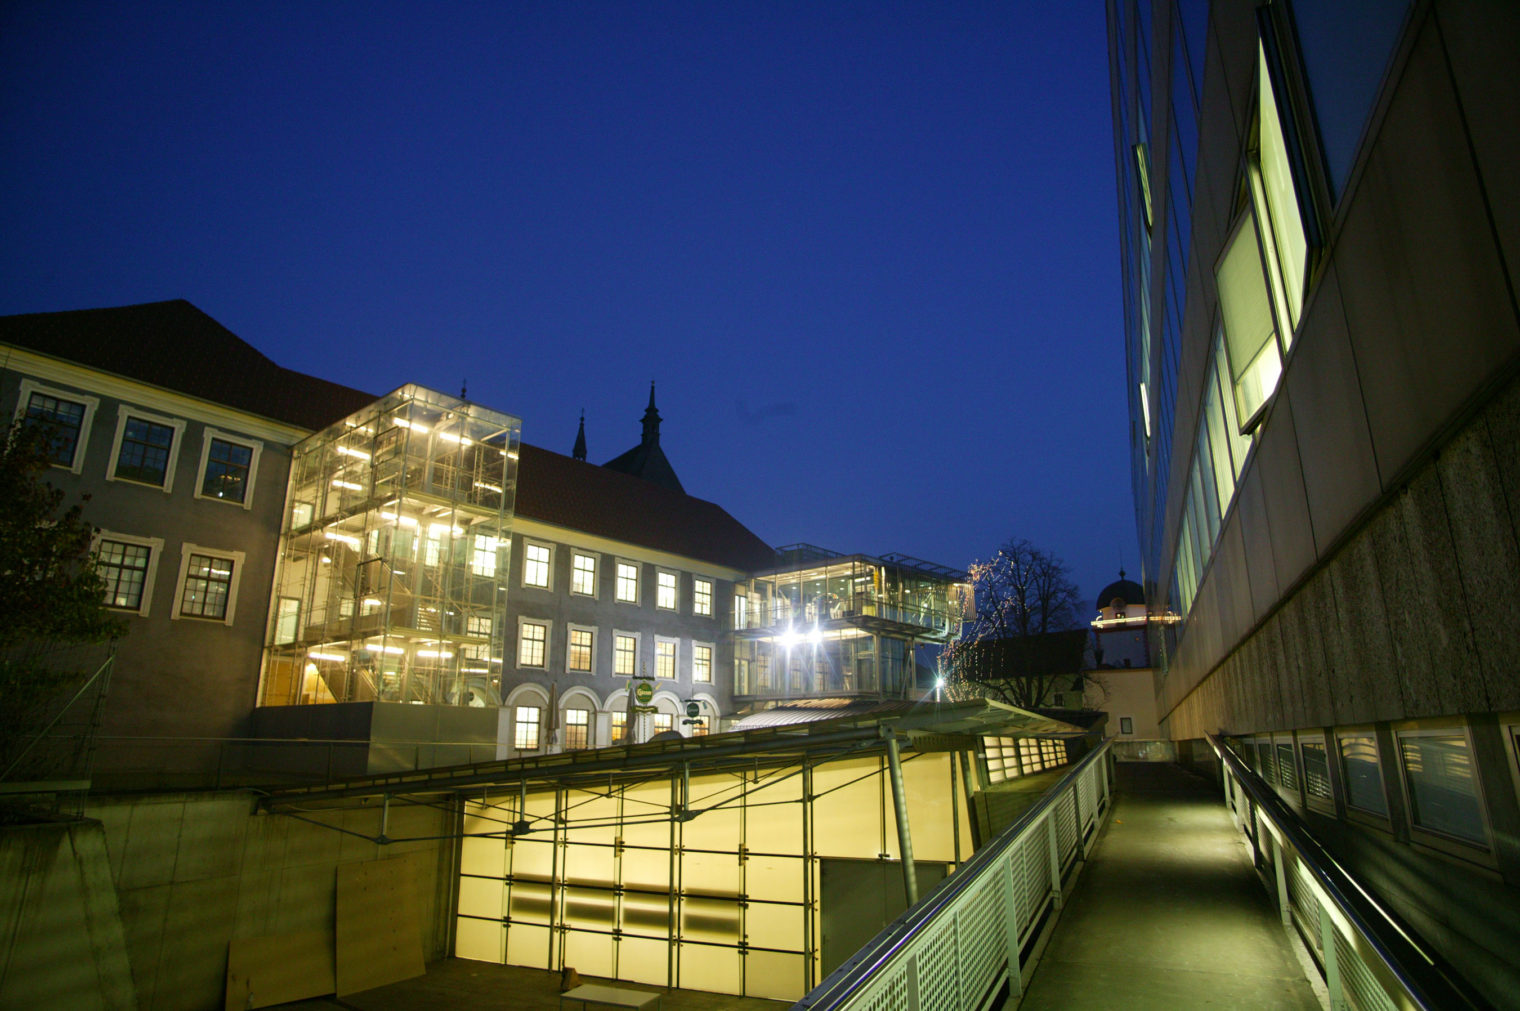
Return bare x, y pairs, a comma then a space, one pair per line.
790, 638
939, 683
815, 636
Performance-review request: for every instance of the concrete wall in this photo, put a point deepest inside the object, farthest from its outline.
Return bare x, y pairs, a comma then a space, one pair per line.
192, 872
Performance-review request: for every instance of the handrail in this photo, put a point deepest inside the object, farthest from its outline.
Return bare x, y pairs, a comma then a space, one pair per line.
846, 980
1424, 975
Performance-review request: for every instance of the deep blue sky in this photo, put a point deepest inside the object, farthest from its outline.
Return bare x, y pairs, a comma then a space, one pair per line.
867, 250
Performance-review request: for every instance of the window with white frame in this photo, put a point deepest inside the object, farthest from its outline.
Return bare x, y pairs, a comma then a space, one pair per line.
741, 609
625, 653
144, 451
208, 583
665, 590
536, 560
483, 550
702, 662
580, 647
63, 415
627, 584
532, 643
619, 726
664, 722
577, 729
583, 574
525, 720
702, 596
228, 466
665, 659
127, 566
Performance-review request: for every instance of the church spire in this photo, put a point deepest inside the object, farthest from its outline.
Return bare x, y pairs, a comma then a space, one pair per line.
579, 452
651, 420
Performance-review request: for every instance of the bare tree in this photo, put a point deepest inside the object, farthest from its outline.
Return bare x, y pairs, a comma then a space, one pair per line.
1024, 642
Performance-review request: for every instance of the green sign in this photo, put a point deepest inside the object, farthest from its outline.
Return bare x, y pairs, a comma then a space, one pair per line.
643, 692
693, 710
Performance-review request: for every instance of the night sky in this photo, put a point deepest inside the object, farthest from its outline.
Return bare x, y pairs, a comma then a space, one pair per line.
866, 250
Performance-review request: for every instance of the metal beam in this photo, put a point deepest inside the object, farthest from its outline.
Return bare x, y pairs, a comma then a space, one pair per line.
904, 835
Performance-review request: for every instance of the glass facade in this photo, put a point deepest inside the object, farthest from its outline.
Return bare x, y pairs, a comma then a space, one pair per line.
830, 624
393, 557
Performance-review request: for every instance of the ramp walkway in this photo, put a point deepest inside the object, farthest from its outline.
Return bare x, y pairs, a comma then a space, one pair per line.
1168, 912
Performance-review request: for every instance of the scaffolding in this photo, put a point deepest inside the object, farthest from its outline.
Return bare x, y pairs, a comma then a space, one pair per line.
392, 576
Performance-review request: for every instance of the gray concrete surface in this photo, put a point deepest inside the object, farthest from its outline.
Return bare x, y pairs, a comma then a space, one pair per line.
1168, 913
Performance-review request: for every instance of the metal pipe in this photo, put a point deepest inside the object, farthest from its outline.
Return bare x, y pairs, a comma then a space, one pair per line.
904, 836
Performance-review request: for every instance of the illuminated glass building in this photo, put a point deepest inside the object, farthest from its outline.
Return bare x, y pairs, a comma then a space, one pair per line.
1319, 240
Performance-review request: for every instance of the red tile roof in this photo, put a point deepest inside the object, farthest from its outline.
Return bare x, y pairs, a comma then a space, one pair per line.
178, 347
581, 496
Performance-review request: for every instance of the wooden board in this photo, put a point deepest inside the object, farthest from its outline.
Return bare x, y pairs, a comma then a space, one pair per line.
379, 931
279, 969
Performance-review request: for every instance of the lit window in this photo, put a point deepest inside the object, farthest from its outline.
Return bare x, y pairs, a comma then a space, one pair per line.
525, 730
287, 623
663, 722
478, 624
536, 565
701, 662
1364, 780
1284, 240
1316, 769
1249, 330
627, 583
483, 549
145, 450
583, 574
64, 419
126, 568
578, 657
625, 654
1442, 784
532, 643
699, 728
701, 596
665, 591
665, 659
577, 729
227, 469
741, 610
206, 587
432, 546
619, 726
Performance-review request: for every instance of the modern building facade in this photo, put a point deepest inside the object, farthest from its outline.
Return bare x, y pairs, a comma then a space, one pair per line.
1319, 224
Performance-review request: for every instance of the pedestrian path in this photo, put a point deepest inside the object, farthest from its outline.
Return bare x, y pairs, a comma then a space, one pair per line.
1168, 912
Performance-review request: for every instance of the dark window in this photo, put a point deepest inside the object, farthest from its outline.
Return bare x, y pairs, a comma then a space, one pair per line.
208, 585
144, 452
1316, 769
62, 420
1443, 786
227, 465
1126, 725
1364, 779
124, 569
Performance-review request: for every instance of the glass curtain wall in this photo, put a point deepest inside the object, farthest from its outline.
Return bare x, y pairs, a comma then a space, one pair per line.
715, 881
391, 584
843, 589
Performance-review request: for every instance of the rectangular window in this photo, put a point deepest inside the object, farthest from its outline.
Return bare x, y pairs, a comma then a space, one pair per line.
665, 591
1364, 780
665, 659
532, 644
124, 569
287, 622
479, 625
701, 662
663, 722
525, 728
1249, 330
483, 548
143, 451
625, 654
227, 468
207, 587
1284, 238
583, 574
577, 729
1126, 725
1287, 769
701, 597
1316, 770
536, 565
63, 420
741, 609
627, 583
578, 656
1442, 784
619, 726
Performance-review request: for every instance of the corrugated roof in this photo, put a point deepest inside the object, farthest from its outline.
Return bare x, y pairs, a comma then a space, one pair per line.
581, 496
178, 347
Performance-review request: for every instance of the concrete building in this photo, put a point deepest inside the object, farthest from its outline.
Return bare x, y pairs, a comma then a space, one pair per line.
1319, 221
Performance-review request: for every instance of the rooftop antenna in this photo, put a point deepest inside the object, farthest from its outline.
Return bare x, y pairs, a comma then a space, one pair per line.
462, 386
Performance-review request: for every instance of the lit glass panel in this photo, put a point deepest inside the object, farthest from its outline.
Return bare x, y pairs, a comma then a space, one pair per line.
583, 574
1290, 243
1255, 361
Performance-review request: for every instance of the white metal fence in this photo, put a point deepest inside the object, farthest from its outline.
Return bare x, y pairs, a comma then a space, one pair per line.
957, 947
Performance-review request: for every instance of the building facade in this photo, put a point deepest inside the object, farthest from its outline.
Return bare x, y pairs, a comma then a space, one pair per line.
1319, 220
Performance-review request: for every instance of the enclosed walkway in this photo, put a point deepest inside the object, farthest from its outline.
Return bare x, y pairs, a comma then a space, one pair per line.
1168, 912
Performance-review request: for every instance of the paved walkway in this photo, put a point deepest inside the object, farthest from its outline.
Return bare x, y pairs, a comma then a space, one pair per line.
1168, 912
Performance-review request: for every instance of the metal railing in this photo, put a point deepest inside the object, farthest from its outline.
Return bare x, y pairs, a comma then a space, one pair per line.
1370, 959
977, 930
